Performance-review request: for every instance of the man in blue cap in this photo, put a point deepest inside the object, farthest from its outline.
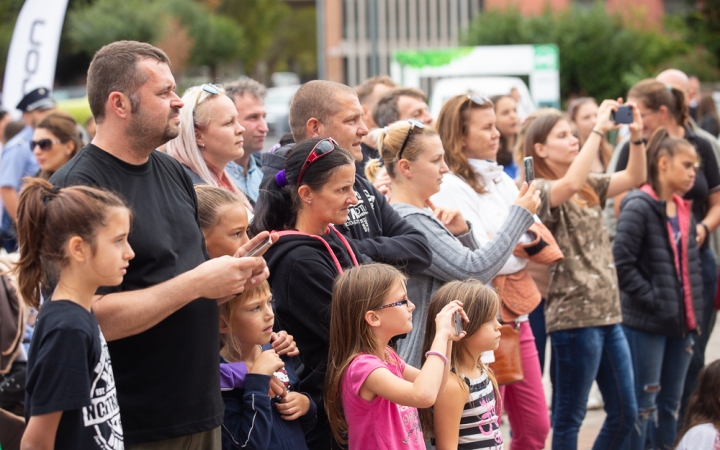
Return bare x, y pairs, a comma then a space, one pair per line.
18, 161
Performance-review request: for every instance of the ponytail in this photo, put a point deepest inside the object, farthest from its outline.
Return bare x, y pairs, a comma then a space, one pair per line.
47, 219
680, 107
660, 144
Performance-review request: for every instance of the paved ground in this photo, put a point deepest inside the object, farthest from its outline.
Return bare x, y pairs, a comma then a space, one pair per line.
595, 418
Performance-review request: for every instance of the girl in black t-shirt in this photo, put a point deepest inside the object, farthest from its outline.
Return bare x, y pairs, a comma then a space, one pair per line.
76, 238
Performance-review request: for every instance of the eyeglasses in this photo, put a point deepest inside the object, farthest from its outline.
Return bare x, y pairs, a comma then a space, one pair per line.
414, 123
477, 99
321, 149
392, 305
44, 144
210, 89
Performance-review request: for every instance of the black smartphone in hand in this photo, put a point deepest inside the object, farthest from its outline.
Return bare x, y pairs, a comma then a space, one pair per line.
623, 115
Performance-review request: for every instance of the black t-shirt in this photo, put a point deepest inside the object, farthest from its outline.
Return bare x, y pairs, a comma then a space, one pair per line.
707, 179
69, 370
167, 376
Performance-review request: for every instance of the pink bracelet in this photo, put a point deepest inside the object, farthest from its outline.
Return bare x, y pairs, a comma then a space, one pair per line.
444, 358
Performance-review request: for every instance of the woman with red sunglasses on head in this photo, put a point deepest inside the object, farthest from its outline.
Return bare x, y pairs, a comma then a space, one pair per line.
55, 141
302, 202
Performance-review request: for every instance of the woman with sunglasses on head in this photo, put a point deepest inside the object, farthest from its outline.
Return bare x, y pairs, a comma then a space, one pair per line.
413, 156
302, 202
582, 112
663, 106
508, 124
210, 136
583, 313
478, 186
55, 141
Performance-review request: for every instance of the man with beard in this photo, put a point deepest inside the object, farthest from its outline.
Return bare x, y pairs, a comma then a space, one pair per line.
161, 325
18, 160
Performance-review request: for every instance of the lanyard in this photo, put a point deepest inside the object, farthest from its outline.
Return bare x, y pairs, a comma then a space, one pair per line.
327, 246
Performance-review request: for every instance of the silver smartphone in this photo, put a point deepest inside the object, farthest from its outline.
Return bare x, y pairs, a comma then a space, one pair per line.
259, 248
529, 169
458, 323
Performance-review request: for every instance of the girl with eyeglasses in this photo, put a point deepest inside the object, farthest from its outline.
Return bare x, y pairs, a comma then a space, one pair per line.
582, 313
210, 136
478, 186
372, 395
302, 203
413, 157
55, 141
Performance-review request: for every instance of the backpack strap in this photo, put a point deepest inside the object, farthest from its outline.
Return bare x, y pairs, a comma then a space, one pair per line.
327, 246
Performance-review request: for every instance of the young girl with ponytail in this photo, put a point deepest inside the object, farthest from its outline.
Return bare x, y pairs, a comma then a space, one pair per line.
76, 238
658, 265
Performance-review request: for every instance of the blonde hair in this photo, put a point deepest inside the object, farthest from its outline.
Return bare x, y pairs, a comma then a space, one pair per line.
481, 305
196, 114
210, 200
452, 128
228, 340
389, 142
355, 292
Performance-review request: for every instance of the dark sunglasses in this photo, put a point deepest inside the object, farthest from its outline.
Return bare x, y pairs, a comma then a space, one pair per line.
392, 305
414, 123
44, 144
321, 149
210, 89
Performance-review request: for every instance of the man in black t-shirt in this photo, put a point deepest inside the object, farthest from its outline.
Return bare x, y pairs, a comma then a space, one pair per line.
161, 327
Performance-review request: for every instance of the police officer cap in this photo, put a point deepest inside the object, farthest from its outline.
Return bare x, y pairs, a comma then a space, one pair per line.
36, 99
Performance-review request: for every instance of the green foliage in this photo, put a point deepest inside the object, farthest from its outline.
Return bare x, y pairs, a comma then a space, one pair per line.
599, 55
295, 44
704, 27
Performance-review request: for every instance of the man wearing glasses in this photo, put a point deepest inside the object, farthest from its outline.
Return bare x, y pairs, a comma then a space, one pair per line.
328, 109
160, 323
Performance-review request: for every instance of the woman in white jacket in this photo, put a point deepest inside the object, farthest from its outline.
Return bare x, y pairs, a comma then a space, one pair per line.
479, 188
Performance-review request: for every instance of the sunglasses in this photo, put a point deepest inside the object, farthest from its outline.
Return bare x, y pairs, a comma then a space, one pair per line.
477, 99
321, 149
210, 89
414, 123
44, 144
392, 305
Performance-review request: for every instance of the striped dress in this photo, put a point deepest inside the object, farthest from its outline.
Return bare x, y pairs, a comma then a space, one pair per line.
479, 424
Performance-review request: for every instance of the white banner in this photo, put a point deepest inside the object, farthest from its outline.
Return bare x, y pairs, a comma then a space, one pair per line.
33, 50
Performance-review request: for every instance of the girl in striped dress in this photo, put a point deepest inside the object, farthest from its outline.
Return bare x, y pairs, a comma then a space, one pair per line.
468, 403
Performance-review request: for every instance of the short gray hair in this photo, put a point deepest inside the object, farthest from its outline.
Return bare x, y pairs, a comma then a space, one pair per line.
245, 85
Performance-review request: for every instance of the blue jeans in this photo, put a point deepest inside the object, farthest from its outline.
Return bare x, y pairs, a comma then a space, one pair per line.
660, 364
710, 282
581, 355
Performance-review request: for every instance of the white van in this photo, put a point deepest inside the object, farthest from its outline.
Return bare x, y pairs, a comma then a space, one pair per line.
446, 88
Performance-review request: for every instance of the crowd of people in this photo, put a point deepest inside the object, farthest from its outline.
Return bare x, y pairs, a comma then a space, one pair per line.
366, 283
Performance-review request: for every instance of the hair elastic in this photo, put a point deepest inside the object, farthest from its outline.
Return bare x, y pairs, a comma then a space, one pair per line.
281, 179
432, 352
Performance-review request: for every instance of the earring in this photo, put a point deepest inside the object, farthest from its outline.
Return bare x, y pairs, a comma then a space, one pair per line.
309, 202
201, 146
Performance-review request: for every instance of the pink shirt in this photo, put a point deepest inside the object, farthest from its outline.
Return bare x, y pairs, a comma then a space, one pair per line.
378, 424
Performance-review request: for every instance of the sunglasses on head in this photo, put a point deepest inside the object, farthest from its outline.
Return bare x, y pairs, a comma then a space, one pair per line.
210, 89
414, 123
321, 149
404, 301
477, 99
44, 144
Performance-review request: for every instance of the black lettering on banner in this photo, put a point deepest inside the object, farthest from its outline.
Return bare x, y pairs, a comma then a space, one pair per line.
32, 58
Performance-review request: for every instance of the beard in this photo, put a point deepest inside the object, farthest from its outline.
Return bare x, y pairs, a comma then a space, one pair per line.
146, 135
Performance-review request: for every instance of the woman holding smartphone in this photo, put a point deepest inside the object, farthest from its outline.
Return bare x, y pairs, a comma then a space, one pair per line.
478, 187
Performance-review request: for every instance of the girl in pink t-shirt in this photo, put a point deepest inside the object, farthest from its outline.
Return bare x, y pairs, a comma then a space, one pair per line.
371, 395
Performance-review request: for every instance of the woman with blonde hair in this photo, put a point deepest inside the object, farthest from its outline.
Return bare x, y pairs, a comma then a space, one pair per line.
210, 136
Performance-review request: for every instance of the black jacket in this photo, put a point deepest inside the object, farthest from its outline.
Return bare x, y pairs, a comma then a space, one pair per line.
377, 230
649, 286
302, 273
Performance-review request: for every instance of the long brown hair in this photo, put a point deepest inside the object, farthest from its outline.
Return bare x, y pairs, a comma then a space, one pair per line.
654, 94
358, 290
538, 133
481, 304
661, 144
47, 218
63, 126
704, 404
706, 106
451, 125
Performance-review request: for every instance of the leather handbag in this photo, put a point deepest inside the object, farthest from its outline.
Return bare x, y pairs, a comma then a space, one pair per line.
508, 367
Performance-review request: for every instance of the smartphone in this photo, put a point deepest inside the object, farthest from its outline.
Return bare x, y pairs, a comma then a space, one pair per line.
529, 169
458, 323
259, 248
624, 115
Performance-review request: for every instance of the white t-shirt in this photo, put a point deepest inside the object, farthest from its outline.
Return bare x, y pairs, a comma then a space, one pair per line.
700, 437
